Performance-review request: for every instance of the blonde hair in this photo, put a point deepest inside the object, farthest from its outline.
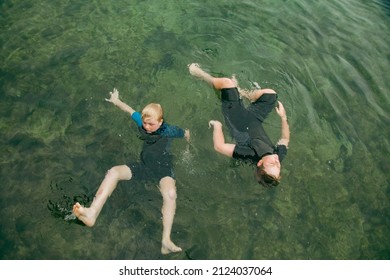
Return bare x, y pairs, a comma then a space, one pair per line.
152, 110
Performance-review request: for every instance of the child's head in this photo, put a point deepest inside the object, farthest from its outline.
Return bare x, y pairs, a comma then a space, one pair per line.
152, 117
265, 179
268, 171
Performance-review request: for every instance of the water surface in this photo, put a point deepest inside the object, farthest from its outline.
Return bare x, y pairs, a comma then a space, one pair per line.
328, 60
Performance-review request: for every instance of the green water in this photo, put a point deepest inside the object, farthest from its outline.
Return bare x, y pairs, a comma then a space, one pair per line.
328, 60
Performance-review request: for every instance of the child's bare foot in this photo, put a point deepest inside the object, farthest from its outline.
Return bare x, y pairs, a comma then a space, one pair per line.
86, 215
169, 247
196, 71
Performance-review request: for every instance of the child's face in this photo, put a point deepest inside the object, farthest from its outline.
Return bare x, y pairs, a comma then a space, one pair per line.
151, 124
271, 165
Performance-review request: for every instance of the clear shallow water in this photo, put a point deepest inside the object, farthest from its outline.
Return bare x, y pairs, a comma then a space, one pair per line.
329, 62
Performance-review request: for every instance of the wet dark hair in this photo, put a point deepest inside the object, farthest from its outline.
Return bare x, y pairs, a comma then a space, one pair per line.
266, 179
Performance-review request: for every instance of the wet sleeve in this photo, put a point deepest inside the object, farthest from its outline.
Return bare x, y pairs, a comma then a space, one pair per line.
172, 131
244, 153
137, 118
281, 151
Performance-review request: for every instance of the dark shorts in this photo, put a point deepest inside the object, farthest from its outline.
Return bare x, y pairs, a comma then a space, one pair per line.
145, 173
263, 106
237, 116
233, 107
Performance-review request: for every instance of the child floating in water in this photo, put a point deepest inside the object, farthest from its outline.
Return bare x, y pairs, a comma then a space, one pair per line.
155, 165
246, 126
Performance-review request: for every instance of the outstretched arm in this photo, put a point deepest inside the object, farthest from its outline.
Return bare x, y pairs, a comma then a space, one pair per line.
285, 134
114, 99
219, 140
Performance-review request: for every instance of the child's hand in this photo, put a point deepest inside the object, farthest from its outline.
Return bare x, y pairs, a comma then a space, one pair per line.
281, 111
214, 123
114, 96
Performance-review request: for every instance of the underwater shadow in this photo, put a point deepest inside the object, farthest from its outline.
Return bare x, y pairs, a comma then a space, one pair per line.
385, 5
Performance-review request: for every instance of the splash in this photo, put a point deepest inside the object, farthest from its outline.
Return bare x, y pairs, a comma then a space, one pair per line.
61, 209
62, 204
70, 217
187, 159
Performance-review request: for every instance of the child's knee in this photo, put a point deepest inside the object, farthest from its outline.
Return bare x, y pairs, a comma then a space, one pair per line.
168, 187
220, 83
121, 172
112, 173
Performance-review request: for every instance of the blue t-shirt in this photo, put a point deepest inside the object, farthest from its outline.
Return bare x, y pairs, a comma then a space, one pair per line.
165, 129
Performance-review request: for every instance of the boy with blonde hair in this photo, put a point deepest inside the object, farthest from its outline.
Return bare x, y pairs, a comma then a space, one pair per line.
155, 164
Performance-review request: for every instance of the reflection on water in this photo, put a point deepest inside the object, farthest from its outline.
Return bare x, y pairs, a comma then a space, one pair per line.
328, 61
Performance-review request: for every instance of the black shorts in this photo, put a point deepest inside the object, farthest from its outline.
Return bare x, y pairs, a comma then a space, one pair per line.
145, 173
263, 106
233, 107
237, 116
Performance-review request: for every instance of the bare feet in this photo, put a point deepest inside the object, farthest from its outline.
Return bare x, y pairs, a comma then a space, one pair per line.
169, 247
196, 71
86, 215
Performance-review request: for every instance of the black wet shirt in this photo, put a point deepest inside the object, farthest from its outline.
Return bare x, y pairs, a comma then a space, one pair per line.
156, 159
156, 147
248, 154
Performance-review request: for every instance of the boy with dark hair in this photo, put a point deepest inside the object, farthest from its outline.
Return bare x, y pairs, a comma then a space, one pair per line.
245, 125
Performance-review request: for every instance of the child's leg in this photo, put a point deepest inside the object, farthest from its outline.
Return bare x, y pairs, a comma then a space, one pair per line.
89, 215
217, 83
168, 192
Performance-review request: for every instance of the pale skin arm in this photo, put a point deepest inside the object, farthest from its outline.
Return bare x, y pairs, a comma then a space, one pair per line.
114, 99
285, 133
219, 140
